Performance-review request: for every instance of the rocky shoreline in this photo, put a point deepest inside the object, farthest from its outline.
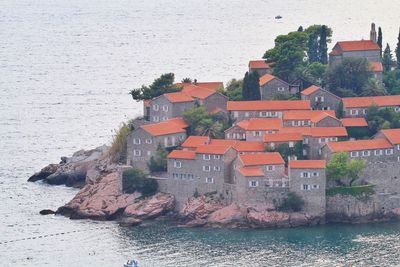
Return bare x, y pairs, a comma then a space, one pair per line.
101, 198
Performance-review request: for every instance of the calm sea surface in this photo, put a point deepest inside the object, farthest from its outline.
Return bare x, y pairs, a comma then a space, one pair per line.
65, 71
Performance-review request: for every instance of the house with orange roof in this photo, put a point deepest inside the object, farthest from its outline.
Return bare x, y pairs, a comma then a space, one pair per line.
274, 140
356, 127
207, 97
368, 49
356, 107
207, 85
142, 142
170, 105
253, 129
307, 178
377, 70
243, 110
392, 135
313, 118
272, 87
260, 66
320, 98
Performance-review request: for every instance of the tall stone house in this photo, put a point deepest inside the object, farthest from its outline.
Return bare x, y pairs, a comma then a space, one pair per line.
357, 107
142, 143
320, 99
310, 118
260, 66
271, 87
253, 129
170, 105
242, 110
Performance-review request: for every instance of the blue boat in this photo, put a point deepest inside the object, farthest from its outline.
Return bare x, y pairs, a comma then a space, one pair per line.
132, 263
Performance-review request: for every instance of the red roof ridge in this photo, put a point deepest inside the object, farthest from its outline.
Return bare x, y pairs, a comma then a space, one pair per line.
366, 101
358, 145
177, 97
307, 164
182, 154
171, 126
354, 122
269, 105
266, 78
259, 64
310, 90
251, 172
267, 158
393, 135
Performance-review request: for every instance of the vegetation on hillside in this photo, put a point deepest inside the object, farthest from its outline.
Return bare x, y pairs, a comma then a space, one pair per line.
135, 180
286, 151
163, 84
158, 162
378, 119
118, 149
293, 202
344, 171
355, 190
251, 86
202, 123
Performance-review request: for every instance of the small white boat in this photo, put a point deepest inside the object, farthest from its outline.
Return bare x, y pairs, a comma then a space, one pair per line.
132, 263
278, 17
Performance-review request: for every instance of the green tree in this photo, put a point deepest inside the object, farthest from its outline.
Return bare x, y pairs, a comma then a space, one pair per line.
391, 79
202, 123
163, 84
234, 90
313, 48
387, 59
349, 77
344, 171
251, 86
381, 119
312, 73
354, 169
286, 151
300, 29
379, 41
293, 202
135, 180
340, 110
158, 162
187, 80
374, 87
398, 51
323, 46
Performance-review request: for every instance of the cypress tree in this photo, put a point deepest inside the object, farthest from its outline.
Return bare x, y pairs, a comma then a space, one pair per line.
312, 48
251, 86
300, 29
398, 51
387, 59
323, 47
379, 42
246, 90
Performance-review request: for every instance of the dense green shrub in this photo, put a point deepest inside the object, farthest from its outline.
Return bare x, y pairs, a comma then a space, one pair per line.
293, 202
158, 162
135, 180
357, 190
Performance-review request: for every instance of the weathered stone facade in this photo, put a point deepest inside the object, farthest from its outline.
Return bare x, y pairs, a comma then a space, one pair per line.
161, 109
274, 88
322, 99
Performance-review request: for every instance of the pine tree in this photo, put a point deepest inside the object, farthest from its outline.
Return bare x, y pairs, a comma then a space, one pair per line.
379, 42
312, 48
251, 86
387, 59
398, 51
323, 47
300, 29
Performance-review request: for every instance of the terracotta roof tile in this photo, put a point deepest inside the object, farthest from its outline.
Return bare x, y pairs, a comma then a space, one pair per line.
348, 46
317, 131
266, 78
358, 145
178, 97
259, 64
207, 85
323, 115
273, 158
307, 164
171, 126
249, 146
211, 149
307, 114
358, 102
283, 137
393, 135
354, 122
195, 141
182, 154
269, 105
198, 91
260, 124
376, 66
310, 90
222, 142
251, 172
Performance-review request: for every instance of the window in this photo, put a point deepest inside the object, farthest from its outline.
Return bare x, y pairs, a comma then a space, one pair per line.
164, 118
190, 176
246, 114
156, 107
281, 89
175, 176
149, 141
263, 114
253, 183
398, 147
291, 144
378, 152
304, 152
398, 158
366, 153
256, 133
354, 154
165, 108
217, 168
206, 168
305, 140
315, 186
137, 152
177, 164
149, 153
235, 114
217, 156
206, 156
353, 111
305, 187
305, 175
209, 180
319, 99
364, 111
270, 168
397, 109
315, 174
156, 118
136, 141
389, 151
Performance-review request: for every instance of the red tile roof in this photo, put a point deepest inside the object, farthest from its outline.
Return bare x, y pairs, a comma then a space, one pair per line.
182, 154
362, 102
207, 85
210, 149
358, 145
310, 90
260, 124
266, 78
349, 46
354, 122
198, 92
323, 115
269, 105
222, 142
283, 137
259, 64
273, 158
195, 141
171, 126
251, 172
393, 135
376, 66
249, 146
307, 164
317, 131
307, 114
178, 97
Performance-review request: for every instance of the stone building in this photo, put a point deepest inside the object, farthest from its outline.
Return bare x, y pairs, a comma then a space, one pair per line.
320, 99
242, 110
273, 140
355, 49
259, 66
208, 98
142, 143
310, 118
354, 107
377, 70
272, 87
307, 178
170, 105
253, 129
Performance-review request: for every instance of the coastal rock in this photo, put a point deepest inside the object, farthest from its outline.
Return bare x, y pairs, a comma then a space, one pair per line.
128, 222
44, 173
268, 219
297, 219
229, 216
46, 212
200, 207
152, 207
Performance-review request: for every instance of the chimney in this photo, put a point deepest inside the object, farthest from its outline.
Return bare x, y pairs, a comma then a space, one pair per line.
372, 33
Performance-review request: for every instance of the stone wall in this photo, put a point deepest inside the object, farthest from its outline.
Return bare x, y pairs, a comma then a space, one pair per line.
270, 90
214, 101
